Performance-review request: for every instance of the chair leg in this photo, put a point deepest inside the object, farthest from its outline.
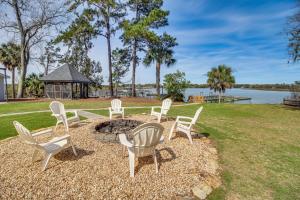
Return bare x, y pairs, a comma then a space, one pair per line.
158, 119
189, 136
172, 130
110, 115
74, 150
56, 126
131, 163
46, 160
155, 161
123, 151
34, 156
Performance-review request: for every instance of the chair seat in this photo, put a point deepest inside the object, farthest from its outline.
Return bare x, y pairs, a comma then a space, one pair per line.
117, 111
73, 119
156, 113
182, 126
52, 146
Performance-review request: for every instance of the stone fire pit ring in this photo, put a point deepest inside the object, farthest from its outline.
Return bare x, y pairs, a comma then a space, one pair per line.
108, 131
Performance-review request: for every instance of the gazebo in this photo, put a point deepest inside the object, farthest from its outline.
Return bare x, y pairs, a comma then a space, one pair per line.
66, 83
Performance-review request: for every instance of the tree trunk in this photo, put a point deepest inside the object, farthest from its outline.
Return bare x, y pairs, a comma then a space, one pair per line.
46, 67
23, 71
158, 79
219, 96
134, 62
13, 82
109, 58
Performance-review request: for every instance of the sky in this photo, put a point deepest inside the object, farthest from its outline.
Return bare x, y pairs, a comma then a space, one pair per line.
248, 35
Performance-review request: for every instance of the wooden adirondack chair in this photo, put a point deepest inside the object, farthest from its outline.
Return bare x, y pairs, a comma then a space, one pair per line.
185, 126
166, 105
58, 111
145, 139
49, 148
116, 108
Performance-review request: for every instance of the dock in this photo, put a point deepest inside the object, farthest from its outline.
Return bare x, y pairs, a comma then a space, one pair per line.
291, 102
226, 99
215, 99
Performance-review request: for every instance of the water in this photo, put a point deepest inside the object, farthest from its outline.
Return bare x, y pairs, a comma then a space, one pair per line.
257, 96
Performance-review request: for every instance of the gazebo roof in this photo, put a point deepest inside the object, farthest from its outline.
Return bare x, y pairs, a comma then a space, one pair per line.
65, 73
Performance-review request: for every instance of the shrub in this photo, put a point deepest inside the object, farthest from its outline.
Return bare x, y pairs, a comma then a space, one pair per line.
175, 84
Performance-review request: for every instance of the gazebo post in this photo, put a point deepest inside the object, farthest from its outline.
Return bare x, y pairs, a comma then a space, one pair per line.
87, 90
76, 88
71, 90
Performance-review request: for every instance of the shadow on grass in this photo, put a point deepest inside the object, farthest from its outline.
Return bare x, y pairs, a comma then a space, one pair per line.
148, 160
195, 135
292, 108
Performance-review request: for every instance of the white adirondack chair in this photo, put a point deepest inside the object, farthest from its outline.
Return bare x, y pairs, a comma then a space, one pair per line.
58, 111
166, 105
116, 108
49, 148
185, 126
145, 138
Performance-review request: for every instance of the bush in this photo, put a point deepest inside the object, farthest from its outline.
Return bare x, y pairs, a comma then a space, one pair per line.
175, 84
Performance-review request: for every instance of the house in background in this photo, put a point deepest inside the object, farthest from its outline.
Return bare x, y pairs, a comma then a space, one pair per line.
3, 96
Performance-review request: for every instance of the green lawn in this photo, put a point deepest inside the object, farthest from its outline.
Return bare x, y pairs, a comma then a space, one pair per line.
32, 121
72, 104
258, 146
128, 111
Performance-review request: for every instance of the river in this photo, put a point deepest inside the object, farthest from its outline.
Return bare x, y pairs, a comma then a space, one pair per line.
257, 96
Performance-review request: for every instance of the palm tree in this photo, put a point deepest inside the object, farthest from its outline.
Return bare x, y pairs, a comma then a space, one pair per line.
34, 85
220, 78
162, 53
11, 59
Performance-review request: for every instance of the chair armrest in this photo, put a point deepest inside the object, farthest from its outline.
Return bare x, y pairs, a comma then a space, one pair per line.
153, 107
124, 141
56, 115
44, 132
182, 117
73, 111
156, 107
57, 139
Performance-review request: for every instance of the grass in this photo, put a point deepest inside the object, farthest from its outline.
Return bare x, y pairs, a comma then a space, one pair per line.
32, 121
128, 111
71, 104
258, 146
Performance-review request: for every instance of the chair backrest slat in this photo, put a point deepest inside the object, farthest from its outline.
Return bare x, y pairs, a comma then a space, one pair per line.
24, 133
166, 105
116, 104
57, 108
197, 114
147, 135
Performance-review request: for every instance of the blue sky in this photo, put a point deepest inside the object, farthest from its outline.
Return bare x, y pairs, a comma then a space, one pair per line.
247, 35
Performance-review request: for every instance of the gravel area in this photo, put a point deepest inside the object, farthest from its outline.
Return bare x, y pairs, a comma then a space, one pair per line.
100, 171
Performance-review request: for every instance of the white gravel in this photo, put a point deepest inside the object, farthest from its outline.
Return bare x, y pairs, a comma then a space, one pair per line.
100, 171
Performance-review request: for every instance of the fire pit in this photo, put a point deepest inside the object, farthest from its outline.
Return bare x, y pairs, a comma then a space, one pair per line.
108, 131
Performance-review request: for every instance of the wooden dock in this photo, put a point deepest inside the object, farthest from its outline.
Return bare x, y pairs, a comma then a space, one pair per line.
215, 99
226, 99
291, 102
